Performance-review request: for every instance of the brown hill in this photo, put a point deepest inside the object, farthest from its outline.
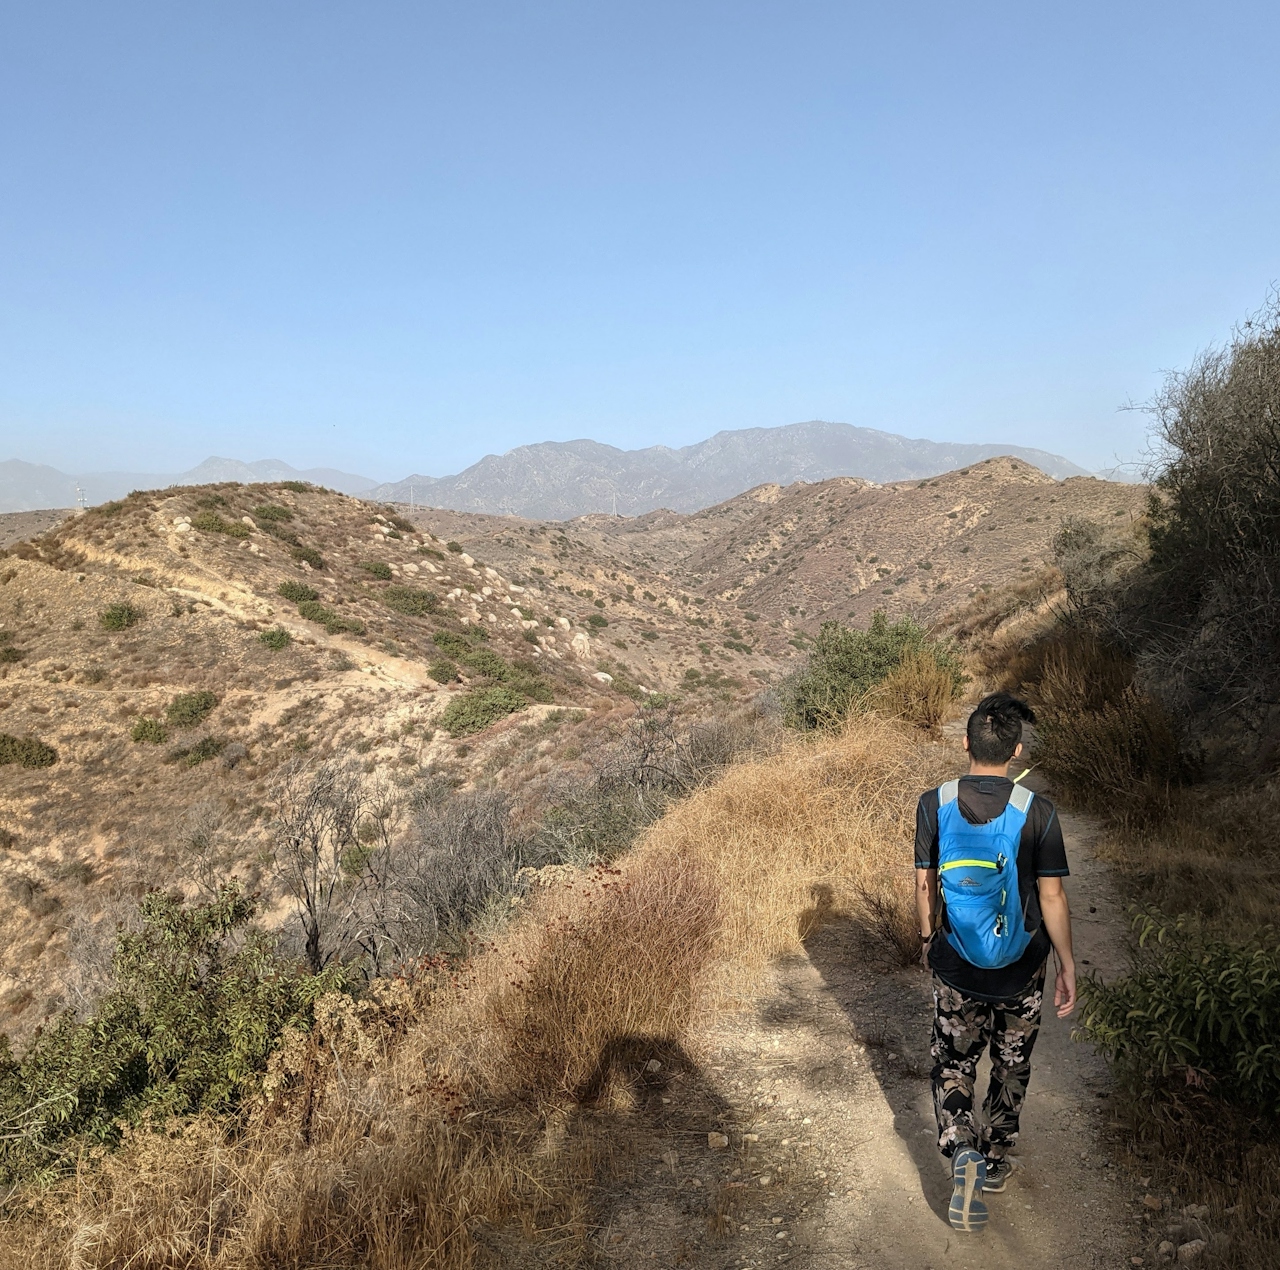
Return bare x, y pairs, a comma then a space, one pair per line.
132, 644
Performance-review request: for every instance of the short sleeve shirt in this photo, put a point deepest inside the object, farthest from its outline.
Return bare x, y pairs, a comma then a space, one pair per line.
1041, 854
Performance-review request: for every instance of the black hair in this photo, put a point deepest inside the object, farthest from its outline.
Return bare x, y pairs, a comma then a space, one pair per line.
995, 727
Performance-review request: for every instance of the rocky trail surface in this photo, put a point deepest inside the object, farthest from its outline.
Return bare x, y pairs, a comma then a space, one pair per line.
820, 1088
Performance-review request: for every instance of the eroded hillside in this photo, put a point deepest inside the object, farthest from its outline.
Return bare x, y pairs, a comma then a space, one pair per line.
164, 658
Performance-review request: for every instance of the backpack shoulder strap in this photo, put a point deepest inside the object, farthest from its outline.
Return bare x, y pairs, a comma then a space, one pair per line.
948, 793
1021, 798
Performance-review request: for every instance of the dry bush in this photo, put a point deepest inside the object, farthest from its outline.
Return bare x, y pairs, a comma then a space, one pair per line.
917, 691
405, 1117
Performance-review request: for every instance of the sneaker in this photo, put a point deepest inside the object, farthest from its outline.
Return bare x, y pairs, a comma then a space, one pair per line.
968, 1175
998, 1173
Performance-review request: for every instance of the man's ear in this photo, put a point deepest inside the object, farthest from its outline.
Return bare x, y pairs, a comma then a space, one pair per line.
1017, 749
964, 740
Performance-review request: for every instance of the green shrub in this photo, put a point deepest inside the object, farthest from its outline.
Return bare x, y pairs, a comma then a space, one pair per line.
308, 555
443, 671
119, 617
846, 665
333, 622
188, 708
206, 747
272, 512
396, 521
9, 654
486, 662
297, 592
597, 620
296, 487
455, 547
198, 1003
148, 731
26, 751
451, 643
476, 710
1194, 1014
211, 523
431, 551
411, 600
378, 569
276, 638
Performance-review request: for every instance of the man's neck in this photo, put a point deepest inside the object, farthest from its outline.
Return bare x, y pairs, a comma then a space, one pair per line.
989, 769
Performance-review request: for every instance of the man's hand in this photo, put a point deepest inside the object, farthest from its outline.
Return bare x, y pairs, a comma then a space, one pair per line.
924, 950
1064, 988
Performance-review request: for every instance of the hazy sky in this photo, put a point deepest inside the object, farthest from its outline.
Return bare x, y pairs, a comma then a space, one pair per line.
393, 237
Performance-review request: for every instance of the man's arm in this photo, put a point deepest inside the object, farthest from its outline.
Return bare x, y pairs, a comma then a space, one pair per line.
1057, 923
926, 905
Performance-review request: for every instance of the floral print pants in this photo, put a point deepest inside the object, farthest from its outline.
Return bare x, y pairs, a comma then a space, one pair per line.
962, 1028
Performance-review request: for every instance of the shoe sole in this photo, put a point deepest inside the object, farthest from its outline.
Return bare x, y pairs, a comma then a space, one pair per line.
967, 1211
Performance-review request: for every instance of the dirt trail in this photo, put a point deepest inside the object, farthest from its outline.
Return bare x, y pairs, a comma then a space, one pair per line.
829, 1072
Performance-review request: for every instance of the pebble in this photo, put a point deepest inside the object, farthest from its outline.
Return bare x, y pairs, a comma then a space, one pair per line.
1166, 1249
1190, 1251
717, 1141
1152, 1202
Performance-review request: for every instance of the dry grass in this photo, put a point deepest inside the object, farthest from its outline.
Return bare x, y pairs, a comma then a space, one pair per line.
406, 1118
918, 691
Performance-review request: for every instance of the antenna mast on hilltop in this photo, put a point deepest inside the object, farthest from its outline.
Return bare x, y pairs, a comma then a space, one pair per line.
80, 498
410, 498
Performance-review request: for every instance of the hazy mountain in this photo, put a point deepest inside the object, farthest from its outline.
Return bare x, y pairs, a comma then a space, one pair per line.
556, 480
27, 486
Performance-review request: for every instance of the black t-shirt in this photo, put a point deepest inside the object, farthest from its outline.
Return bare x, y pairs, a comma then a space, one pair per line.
1041, 854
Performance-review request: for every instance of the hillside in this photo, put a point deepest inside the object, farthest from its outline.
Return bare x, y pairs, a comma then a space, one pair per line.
571, 623
561, 479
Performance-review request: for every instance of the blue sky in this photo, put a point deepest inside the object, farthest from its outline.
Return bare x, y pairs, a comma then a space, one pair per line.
393, 237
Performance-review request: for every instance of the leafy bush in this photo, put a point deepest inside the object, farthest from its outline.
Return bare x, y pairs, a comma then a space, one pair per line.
205, 748
188, 708
333, 622
410, 600
918, 690
1194, 1015
845, 667
443, 671
211, 523
26, 751
486, 662
9, 654
452, 644
378, 569
455, 547
272, 512
119, 617
597, 620
297, 592
308, 555
198, 1004
276, 638
476, 710
148, 731
296, 487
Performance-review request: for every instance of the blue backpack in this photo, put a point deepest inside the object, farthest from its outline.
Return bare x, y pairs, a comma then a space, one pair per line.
978, 874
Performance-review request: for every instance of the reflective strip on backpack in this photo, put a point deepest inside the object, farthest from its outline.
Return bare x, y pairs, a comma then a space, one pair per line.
969, 864
1021, 798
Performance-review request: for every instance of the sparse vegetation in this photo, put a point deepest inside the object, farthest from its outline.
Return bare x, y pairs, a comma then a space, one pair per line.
148, 731
275, 638
119, 617
378, 568
210, 522
189, 708
477, 709
272, 512
333, 622
308, 555
26, 751
297, 592
847, 667
412, 601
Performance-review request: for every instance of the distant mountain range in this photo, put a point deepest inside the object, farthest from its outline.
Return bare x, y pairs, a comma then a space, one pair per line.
29, 486
556, 480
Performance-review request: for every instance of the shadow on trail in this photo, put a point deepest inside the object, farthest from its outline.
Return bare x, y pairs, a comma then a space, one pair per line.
882, 1003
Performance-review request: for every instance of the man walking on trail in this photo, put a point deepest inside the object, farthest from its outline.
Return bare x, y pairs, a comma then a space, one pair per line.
989, 867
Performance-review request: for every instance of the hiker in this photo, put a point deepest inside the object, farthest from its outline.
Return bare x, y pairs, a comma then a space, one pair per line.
989, 867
